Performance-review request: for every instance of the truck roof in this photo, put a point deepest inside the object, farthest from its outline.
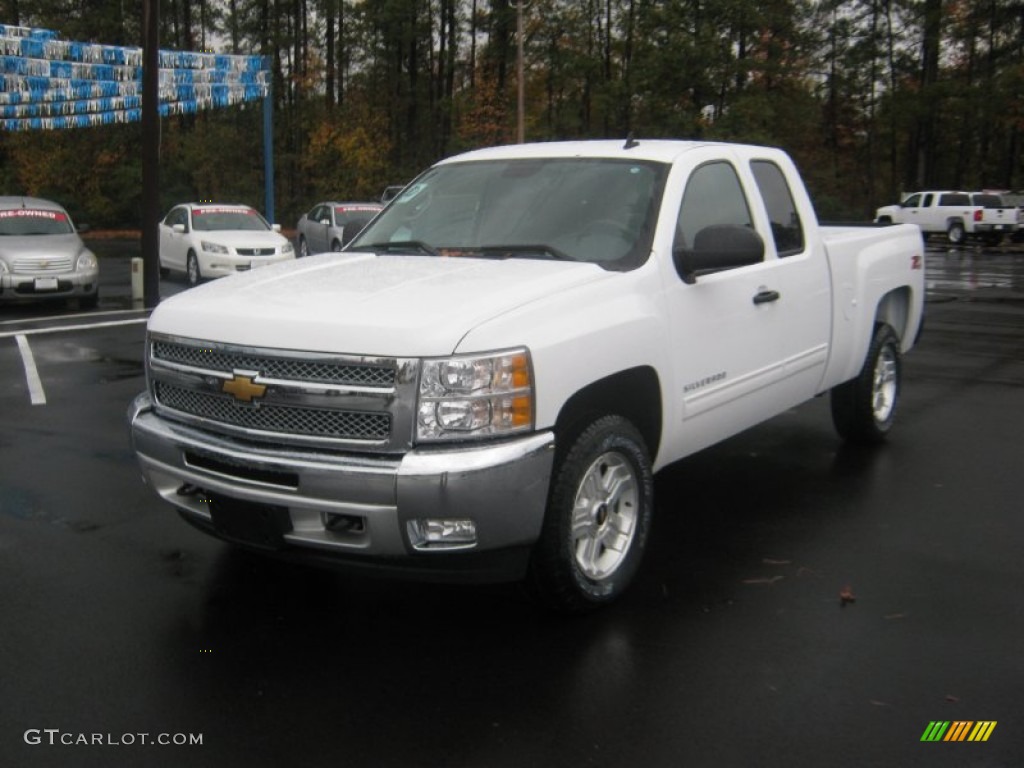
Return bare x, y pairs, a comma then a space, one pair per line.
659, 150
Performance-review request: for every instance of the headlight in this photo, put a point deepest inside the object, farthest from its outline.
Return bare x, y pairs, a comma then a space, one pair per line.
475, 396
213, 247
287, 248
86, 262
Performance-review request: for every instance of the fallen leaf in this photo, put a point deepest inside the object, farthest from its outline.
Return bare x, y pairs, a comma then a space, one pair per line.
892, 616
846, 595
953, 699
876, 703
770, 561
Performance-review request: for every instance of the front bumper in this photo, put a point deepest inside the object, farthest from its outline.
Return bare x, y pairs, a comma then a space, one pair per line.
19, 287
356, 509
224, 264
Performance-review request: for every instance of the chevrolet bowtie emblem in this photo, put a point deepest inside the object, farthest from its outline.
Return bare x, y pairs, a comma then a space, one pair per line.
243, 388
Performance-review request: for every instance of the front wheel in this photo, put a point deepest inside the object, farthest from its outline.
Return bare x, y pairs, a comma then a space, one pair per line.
192, 273
303, 248
956, 233
597, 519
864, 408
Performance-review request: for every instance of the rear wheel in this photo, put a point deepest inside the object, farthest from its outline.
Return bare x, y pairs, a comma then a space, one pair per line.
597, 520
864, 408
303, 248
956, 233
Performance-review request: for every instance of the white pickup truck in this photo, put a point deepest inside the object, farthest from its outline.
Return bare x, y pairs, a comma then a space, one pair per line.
482, 386
958, 215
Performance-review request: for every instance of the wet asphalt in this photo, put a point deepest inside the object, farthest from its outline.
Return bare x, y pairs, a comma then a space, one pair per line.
803, 603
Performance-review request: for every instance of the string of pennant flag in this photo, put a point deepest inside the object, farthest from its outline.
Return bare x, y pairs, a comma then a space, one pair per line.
47, 84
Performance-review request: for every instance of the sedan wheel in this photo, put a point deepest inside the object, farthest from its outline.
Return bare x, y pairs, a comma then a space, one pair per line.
192, 273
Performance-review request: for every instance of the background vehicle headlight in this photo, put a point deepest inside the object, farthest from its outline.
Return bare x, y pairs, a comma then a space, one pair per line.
213, 247
86, 262
475, 396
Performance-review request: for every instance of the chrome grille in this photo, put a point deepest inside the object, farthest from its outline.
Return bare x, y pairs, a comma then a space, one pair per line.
43, 265
256, 251
309, 422
288, 369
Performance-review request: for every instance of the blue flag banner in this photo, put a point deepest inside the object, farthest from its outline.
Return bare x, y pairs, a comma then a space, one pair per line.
48, 84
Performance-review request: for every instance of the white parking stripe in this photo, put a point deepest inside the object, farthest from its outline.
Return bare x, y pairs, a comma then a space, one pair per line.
35, 386
64, 328
91, 313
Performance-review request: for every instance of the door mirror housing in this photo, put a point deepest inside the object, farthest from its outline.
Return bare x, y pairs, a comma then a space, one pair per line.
717, 248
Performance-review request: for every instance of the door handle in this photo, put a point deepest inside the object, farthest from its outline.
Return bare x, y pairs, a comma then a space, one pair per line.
766, 297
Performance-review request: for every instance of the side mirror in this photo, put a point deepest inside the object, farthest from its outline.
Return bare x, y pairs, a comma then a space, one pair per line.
179, 228
717, 248
276, 227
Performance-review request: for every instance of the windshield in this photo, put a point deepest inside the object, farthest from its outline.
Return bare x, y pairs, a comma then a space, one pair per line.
601, 211
214, 219
25, 221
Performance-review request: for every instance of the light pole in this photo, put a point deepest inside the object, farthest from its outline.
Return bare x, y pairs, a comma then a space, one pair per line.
520, 98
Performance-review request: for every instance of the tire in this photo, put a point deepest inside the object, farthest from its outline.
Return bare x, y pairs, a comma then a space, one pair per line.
192, 274
864, 408
955, 233
597, 520
303, 248
335, 245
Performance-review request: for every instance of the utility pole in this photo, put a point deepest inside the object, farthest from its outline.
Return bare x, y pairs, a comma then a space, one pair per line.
151, 153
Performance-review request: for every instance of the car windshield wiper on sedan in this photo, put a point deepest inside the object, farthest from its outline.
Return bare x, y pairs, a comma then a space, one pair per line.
393, 245
531, 251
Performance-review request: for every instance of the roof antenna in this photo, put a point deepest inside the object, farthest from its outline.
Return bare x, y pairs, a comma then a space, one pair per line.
630, 142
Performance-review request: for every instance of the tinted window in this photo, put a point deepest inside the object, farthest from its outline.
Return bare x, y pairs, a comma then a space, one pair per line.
787, 231
713, 197
912, 202
954, 198
217, 219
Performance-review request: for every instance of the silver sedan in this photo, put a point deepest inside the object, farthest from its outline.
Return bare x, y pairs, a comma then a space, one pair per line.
328, 226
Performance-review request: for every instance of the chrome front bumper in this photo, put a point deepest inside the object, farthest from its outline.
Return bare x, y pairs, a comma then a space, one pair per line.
350, 506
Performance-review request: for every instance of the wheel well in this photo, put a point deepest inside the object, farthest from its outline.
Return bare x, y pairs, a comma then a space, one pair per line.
894, 310
634, 394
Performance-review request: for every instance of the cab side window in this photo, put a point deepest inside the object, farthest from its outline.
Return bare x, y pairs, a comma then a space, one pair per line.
787, 230
713, 199
914, 201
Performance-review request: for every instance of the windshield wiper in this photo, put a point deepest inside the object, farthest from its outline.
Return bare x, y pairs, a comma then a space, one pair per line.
397, 244
522, 251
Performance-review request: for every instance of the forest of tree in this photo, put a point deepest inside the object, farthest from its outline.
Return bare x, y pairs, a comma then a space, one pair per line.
871, 97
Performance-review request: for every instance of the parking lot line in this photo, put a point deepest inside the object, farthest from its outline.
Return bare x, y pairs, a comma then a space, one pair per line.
35, 385
91, 313
65, 328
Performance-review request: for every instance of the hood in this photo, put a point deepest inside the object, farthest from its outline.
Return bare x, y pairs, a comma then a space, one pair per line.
242, 238
395, 306
41, 246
